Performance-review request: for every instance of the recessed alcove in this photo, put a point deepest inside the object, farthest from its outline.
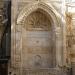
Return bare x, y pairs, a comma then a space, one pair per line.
38, 41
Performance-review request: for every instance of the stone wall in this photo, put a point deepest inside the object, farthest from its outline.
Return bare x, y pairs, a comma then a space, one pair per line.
73, 45
70, 25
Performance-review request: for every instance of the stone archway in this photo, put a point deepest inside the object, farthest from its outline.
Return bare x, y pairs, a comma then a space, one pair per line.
28, 29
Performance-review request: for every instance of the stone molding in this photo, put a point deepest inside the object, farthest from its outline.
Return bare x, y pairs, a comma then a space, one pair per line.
33, 7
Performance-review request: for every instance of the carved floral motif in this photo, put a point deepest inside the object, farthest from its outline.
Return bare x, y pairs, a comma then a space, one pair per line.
37, 21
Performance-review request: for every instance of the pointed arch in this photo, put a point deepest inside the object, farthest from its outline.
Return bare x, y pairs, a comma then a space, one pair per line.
33, 7
26, 11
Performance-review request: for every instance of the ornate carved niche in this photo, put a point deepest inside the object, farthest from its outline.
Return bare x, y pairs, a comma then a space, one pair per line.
37, 21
